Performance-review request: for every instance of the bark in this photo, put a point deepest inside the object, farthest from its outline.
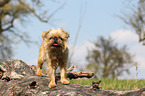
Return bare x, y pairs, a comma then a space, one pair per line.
77, 74
30, 85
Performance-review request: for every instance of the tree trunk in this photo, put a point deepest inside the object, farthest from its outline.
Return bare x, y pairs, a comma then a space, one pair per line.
18, 79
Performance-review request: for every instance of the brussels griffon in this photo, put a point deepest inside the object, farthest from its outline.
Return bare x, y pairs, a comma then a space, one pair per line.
54, 51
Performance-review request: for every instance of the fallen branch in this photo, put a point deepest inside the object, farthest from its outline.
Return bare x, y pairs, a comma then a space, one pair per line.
77, 74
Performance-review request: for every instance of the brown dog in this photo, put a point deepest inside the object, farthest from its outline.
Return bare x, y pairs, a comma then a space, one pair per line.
54, 51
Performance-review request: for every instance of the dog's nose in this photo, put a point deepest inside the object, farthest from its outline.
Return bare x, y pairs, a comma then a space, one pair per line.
55, 39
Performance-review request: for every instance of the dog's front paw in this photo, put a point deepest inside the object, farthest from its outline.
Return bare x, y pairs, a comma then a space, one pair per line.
39, 74
51, 85
65, 81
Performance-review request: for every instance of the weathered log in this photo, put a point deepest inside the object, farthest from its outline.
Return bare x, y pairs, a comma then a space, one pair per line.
15, 69
77, 74
38, 86
29, 85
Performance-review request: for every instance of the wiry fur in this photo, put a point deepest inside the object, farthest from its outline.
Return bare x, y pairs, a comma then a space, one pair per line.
54, 54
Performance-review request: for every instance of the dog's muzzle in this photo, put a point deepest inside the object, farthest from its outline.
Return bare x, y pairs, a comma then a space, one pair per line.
55, 44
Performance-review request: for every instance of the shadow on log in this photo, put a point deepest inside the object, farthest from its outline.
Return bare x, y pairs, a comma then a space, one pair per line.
27, 84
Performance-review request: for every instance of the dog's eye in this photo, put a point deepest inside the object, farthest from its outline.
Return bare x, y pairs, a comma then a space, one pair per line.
60, 38
50, 38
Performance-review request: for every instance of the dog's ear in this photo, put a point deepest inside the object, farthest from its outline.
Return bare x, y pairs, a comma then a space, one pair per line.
66, 33
44, 33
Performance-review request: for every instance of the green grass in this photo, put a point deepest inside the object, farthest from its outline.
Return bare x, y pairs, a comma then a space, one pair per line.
112, 84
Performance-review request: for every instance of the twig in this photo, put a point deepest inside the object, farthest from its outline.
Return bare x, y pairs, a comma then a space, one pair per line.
71, 68
2, 3
95, 85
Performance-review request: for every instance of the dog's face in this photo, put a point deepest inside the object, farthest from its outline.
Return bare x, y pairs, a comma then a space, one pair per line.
56, 38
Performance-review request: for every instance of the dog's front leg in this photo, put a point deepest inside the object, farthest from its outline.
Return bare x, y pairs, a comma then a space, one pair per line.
41, 59
63, 75
51, 73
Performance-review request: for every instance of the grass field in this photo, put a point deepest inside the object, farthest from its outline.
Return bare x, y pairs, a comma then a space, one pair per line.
113, 84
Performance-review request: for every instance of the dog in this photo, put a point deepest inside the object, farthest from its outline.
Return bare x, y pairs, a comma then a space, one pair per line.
54, 51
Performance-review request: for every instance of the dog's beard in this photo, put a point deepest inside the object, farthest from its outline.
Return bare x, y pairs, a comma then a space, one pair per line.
56, 50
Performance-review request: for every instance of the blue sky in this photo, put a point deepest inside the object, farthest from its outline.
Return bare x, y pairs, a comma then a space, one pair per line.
100, 19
